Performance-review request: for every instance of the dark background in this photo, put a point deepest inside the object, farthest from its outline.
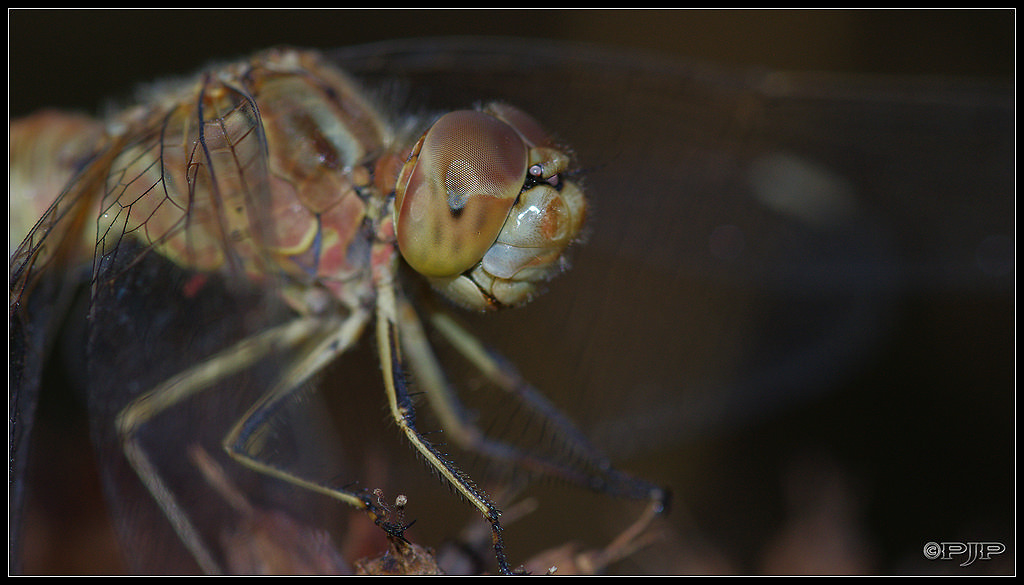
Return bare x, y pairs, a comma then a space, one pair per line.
79, 59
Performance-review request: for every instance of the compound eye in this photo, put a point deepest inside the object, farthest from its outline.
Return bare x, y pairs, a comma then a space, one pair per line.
456, 190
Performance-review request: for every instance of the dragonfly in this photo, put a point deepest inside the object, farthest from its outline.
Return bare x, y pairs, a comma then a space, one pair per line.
767, 196
279, 173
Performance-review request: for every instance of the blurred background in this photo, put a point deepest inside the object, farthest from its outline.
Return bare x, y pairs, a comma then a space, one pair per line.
103, 54
915, 446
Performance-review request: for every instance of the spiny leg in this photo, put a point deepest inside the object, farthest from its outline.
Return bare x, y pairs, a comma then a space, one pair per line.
246, 438
587, 467
178, 388
400, 403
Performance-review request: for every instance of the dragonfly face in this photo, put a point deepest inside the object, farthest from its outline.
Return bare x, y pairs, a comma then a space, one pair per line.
483, 208
749, 240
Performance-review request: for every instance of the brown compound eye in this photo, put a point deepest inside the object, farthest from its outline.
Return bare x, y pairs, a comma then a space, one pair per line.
456, 190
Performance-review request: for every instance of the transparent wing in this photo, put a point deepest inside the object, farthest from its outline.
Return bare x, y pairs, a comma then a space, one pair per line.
757, 246
761, 247
47, 268
142, 248
750, 198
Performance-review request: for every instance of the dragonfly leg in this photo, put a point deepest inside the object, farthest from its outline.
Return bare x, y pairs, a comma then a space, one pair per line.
244, 441
583, 463
187, 383
402, 410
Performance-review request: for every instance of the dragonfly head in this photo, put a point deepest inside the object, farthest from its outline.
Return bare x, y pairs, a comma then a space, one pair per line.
483, 208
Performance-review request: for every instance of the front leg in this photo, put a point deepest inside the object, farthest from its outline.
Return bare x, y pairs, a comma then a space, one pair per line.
401, 407
246, 440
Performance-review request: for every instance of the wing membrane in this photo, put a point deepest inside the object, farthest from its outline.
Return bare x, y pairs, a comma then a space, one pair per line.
766, 222
752, 236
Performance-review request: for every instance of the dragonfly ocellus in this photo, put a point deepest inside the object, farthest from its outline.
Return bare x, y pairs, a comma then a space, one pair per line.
277, 178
